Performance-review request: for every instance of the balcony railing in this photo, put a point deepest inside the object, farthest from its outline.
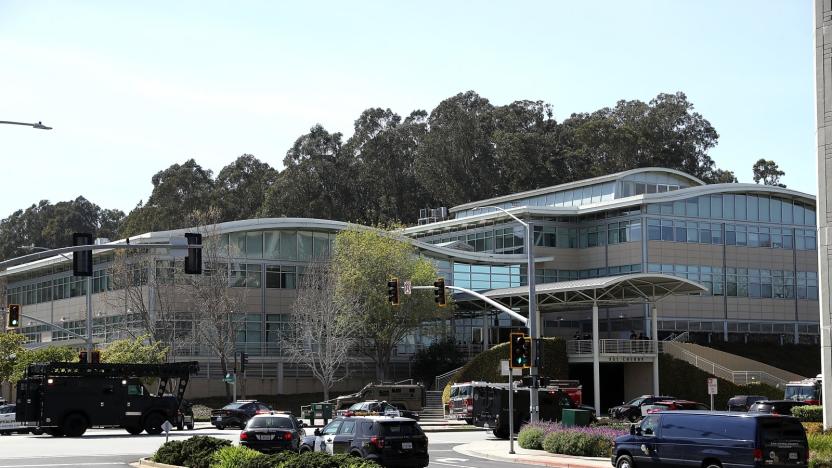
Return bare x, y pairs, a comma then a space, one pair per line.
584, 347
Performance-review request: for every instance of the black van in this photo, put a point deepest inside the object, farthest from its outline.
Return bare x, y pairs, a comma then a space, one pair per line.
712, 440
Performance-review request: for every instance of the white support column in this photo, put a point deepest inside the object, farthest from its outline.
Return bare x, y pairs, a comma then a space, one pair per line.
596, 361
654, 321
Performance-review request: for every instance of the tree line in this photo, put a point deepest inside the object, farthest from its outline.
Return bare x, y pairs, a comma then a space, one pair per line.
465, 149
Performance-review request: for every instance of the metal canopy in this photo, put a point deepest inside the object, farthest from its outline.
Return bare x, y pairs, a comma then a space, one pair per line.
636, 288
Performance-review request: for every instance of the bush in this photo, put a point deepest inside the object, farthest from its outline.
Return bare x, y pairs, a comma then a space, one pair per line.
820, 443
281, 460
577, 443
197, 451
808, 413
813, 427
232, 457
531, 438
820, 460
170, 453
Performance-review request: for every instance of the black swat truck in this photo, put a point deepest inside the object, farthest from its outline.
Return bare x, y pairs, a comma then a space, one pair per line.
67, 398
490, 406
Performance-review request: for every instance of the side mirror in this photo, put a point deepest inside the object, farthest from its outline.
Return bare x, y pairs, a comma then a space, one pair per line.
317, 432
302, 425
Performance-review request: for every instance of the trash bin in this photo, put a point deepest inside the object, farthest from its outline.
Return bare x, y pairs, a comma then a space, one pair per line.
321, 410
576, 417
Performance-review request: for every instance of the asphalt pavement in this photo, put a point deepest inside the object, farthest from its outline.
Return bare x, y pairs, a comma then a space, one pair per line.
106, 448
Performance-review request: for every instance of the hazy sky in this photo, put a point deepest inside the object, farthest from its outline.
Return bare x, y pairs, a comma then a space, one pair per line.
133, 87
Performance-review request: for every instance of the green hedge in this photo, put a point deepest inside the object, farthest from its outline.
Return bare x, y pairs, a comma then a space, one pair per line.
307, 460
684, 381
808, 413
195, 452
578, 444
486, 365
232, 457
531, 438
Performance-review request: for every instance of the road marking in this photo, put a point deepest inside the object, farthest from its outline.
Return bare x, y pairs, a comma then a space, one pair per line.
451, 460
67, 464
440, 463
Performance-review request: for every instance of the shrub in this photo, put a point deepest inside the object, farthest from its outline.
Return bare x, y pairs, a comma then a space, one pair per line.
232, 457
820, 460
278, 460
170, 453
197, 451
813, 427
577, 443
820, 443
808, 413
531, 438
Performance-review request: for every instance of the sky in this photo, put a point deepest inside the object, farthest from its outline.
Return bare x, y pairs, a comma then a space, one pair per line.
134, 87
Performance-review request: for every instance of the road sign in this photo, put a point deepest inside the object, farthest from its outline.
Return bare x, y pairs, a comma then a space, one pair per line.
229, 378
167, 426
712, 386
408, 287
504, 368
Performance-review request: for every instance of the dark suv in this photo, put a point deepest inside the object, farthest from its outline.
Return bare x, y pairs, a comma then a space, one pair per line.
631, 410
388, 441
272, 432
238, 413
783, 407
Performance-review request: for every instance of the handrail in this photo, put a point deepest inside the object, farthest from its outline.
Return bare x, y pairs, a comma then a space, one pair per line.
736, 377
608, 346
441, 380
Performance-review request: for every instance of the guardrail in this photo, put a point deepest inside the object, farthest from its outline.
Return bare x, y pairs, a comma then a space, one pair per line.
584, 347
718, 370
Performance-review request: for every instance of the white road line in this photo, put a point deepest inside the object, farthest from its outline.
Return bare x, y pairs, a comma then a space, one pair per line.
432, 463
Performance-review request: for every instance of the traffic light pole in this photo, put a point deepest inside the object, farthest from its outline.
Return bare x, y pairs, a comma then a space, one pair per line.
69, 332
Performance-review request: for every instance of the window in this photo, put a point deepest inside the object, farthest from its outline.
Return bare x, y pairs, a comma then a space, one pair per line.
281, 277
776, 210
332, 428
271, 244
716, 206
254, 245
667, 229
348, 427
753, 211
728, 206
135, 390
740, 207
692, 207
704, 207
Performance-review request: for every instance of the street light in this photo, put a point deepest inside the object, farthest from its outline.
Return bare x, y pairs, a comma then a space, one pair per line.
39, 125
534, 320
89, 298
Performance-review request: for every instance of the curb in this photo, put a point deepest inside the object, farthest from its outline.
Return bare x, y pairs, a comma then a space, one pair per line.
560, 461
146, 462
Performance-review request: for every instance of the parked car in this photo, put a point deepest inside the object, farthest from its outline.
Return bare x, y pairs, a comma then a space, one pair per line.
272, 432
383, 439
631, 410
673, 405
775, 406
238, 413
712, 440
743, 402
185, 416
378, 408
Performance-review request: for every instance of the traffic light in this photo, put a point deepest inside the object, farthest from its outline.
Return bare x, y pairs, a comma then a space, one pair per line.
96, 356
243, 361
393, 291
538, 353
82, 261
439, 292
519, 351
193, 262
14, 315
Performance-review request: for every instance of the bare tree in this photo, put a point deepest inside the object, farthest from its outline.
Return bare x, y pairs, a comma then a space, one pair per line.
218, 309
324, 329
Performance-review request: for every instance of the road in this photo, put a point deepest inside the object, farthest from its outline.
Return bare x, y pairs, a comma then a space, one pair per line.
111, 448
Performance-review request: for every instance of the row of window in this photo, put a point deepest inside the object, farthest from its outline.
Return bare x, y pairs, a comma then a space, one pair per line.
551, 275
630, 188
676, 230
746, 282
575, 197
760, 208
45, 291
278, 244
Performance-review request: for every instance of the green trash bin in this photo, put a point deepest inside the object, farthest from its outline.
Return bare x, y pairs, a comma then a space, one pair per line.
322, 411
576, 417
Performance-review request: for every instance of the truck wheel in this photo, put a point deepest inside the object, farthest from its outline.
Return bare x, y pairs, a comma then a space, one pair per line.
74, 425
153, 423
134, 430
500, 432
191, 426
220, 427
37, 431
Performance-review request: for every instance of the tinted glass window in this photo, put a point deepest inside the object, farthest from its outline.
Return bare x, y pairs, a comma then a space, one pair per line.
707, 427
636, 402
331, 428
273, 423
649, 425
400, 429
778, 430
348, 427
234, 406
356, 406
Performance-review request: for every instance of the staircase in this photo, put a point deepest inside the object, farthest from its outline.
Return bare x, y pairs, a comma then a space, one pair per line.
433, 410
735, 369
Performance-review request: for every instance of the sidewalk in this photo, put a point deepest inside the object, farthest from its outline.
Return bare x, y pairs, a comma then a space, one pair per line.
497, 450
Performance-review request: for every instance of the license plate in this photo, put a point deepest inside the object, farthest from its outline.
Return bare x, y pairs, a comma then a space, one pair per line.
265, 436
219, 418
792, 455
407, 445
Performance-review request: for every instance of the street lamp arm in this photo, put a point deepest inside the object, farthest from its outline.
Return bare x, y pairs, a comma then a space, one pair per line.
39, 125
504, 211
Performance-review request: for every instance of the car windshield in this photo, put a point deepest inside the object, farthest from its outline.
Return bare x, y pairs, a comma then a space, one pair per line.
271, 423
635, 402
234, 405
356, 406
801, 392
395, 428
781, 430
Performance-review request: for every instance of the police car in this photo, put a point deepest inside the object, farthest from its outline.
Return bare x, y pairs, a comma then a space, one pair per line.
8, 424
